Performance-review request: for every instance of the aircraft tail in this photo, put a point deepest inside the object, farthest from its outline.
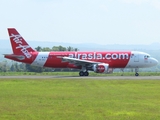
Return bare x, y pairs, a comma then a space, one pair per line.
19, 45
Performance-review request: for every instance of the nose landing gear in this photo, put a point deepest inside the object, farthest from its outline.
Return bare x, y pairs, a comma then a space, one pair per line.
136, 70
136, 74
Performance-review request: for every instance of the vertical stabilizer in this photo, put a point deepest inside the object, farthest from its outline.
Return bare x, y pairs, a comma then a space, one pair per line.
19, 45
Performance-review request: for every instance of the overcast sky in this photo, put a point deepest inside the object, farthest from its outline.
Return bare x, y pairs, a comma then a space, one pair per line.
83, 21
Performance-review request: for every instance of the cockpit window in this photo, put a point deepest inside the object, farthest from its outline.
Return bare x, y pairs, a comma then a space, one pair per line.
132, 55
146, 56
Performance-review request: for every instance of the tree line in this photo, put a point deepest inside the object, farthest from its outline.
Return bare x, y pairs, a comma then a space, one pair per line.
56, 48
13, 66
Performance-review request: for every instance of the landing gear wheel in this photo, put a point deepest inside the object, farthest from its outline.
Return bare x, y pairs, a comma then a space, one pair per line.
81, 73
86, 73
136, 74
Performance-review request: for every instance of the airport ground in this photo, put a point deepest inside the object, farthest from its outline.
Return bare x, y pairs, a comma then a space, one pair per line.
70, 97
76, 74
84, 77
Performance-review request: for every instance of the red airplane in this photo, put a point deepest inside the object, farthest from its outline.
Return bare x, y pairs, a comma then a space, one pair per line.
99, 62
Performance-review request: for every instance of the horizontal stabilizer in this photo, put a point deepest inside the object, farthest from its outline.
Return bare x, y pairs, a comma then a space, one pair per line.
20, 57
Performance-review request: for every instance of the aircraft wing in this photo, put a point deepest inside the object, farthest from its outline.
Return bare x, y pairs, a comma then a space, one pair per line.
78, 62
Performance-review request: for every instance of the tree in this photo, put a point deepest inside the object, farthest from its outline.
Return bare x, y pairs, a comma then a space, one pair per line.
61, 48
12, 68
4, 66
69, 48
31, 68
76, 49
55, 48
46, 49
58, 48
38, 48
22, 67
72, 49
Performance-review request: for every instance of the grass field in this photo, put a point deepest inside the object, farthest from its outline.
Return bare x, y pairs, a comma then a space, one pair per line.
77, 73
79, 99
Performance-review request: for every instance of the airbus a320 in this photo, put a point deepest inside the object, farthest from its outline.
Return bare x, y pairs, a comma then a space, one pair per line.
99, 62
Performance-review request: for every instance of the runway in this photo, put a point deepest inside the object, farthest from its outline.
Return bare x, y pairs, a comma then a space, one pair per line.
88, 77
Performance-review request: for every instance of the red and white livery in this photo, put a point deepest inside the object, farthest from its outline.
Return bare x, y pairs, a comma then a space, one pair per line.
99, 62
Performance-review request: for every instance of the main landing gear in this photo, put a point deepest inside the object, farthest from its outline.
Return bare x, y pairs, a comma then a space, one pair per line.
81, 73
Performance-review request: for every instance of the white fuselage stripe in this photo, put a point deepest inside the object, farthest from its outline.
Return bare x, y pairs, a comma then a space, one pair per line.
40, 59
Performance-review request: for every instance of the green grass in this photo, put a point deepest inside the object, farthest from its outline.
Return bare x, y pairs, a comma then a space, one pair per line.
79, 99
77, 73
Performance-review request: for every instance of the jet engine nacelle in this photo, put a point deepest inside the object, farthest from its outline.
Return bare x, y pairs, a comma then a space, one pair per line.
101, 68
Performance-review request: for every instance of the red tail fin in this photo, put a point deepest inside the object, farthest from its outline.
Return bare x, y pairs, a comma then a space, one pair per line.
19, 45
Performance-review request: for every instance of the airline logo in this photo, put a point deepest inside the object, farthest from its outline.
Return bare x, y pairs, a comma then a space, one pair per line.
18, 40
98, 56
101, 68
